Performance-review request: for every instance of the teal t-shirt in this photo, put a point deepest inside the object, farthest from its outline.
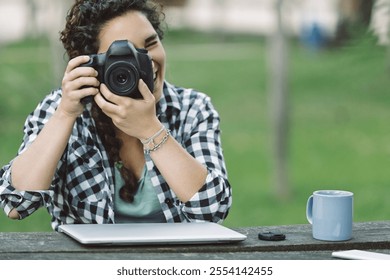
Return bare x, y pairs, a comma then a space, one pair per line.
145, 208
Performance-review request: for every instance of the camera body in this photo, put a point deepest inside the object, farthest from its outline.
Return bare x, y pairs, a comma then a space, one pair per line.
120, 69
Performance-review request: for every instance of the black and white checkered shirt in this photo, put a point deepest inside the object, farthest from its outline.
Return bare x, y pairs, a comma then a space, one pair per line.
82, 187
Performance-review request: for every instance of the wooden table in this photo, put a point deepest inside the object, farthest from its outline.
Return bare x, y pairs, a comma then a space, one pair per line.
299, 245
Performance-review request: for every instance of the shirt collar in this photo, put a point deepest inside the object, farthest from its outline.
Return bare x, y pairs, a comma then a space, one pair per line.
169, 100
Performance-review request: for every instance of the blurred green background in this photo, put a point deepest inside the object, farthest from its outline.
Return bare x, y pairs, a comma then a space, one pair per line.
339, 112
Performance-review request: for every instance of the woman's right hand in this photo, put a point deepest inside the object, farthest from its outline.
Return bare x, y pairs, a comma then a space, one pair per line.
78, 82
48, 147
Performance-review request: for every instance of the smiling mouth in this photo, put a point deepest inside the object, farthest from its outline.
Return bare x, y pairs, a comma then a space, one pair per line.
155, 79
155, 76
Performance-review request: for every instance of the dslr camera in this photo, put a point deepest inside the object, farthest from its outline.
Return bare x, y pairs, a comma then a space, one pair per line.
120, 69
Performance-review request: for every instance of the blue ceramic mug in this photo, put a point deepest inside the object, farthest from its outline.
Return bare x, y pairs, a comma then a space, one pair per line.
331, 214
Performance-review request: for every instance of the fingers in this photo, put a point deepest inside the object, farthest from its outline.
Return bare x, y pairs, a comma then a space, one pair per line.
76, 62
74, 71
88, 91
145, 92
125, 100
112, 103
79, 82
105, 100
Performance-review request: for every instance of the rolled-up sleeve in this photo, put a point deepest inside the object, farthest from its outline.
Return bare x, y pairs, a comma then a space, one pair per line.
25, 202
213, 201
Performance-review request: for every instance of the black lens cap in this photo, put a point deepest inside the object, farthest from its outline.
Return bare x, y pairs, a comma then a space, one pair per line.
271, 236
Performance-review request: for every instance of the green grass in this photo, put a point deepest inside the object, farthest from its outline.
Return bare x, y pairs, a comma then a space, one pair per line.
339, 113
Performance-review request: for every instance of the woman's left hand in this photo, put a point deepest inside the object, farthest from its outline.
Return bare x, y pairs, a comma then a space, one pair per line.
135, 117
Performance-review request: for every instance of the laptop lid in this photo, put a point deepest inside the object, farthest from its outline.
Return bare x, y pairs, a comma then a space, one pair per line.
151, 233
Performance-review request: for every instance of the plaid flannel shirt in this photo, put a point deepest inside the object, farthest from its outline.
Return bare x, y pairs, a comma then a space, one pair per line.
83, 184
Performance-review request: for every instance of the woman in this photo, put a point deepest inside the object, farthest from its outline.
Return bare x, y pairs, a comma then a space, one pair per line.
118, 159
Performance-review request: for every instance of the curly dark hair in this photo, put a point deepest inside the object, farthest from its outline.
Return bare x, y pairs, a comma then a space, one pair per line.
85, 20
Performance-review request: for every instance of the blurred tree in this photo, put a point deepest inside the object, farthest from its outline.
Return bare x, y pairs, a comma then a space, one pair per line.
354, 15
278, 83
380, 21
380, 25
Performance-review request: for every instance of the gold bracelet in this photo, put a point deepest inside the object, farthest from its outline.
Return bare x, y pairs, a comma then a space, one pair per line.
158, 145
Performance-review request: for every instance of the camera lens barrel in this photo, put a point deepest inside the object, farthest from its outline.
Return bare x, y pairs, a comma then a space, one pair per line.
122, 77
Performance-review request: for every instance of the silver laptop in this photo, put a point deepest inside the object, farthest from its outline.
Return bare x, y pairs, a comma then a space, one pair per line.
151, 233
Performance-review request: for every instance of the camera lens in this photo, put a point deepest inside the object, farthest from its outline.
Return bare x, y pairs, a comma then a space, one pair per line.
122, 78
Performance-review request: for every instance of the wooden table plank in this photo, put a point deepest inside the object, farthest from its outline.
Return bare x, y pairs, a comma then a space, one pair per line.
275, 255
299, 244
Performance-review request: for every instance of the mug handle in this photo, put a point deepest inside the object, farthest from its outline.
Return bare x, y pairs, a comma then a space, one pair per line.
309, 210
